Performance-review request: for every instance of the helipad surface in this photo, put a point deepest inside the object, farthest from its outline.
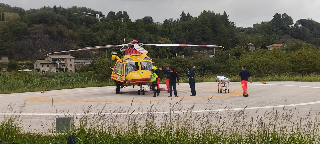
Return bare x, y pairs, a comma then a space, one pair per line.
39, 110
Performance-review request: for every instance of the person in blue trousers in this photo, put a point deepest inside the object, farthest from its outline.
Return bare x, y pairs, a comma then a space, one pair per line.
192, 80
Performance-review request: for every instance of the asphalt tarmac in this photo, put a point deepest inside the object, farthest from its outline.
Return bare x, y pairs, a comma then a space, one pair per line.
37, 111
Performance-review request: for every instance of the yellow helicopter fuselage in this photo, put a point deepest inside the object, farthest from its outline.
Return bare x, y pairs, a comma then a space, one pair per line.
132, 69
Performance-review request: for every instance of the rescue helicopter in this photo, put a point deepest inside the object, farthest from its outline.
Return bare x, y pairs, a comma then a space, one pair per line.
134, 68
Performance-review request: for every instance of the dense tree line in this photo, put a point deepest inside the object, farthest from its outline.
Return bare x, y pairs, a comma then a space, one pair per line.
30, 34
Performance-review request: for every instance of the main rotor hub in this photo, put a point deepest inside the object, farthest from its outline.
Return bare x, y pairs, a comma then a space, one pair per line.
134, 41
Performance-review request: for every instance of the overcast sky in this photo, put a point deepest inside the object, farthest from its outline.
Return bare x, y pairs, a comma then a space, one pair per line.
244, 13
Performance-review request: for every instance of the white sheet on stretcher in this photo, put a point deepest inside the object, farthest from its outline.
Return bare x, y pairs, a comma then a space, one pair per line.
223, 78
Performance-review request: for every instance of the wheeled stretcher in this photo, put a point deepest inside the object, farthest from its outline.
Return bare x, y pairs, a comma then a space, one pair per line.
223, 84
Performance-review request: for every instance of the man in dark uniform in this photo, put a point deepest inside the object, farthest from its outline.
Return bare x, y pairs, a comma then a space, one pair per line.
244, 75
192, 81
118, 85
174, 77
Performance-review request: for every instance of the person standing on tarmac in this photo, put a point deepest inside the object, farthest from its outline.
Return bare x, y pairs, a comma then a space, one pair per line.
192, 80
156, 70
167, 72
154, 77
244, 75
174, 77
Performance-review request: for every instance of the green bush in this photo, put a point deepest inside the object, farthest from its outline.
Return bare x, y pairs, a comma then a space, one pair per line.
32, 81
261, 63
13, 65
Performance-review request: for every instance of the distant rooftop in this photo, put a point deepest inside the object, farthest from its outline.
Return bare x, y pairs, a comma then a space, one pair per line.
276, 45
79, 61
44, 61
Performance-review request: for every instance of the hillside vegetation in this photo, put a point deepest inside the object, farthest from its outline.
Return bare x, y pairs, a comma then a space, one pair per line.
27, 35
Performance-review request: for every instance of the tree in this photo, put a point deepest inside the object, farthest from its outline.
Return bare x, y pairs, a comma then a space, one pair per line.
185, 17
111, 16
281, 22
147, 20
287, 21
13, 65
55, 9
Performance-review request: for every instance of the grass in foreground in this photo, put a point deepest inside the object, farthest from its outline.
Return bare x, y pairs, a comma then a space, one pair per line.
225, 127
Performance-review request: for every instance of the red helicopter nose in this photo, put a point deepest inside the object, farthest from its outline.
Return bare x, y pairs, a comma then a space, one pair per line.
134, 41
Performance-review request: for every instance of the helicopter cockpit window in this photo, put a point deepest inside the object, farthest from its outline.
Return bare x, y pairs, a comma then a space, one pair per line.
119, 69
146, 65
129, 59
146, 58
131, 66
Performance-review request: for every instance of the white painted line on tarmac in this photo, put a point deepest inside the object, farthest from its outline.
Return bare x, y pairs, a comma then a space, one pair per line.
136, 113
289, 85
269, 84
304, 86
263, 84
315, 87
95, 89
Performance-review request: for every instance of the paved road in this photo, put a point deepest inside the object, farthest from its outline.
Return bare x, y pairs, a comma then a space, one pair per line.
39, 110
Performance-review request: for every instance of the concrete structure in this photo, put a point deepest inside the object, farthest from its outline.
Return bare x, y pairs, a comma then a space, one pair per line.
4, 59
83, 61
4, 69
274, 46
55, 63
25, 70
251, 47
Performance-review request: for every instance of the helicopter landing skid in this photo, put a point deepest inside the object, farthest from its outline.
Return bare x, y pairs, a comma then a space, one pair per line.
141, 91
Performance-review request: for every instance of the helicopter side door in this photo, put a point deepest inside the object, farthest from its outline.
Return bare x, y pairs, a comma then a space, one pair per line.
118, 72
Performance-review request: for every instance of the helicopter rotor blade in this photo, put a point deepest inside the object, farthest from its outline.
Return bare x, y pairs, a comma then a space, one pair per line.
89, 48
185, 45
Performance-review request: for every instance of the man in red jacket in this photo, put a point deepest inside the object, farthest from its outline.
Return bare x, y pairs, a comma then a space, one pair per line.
244, 75
167, 72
